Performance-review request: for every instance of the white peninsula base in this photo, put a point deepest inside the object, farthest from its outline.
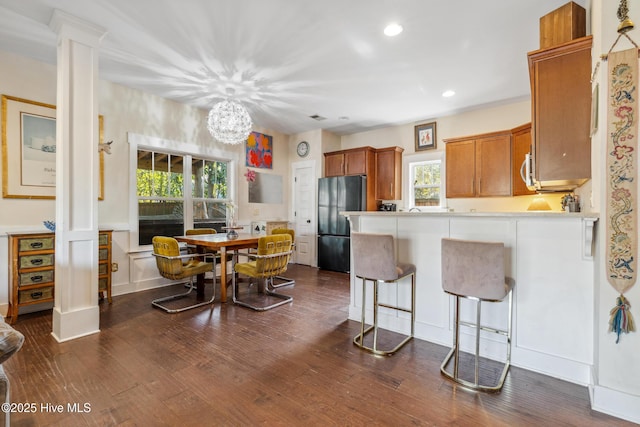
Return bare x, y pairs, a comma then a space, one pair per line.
549, 256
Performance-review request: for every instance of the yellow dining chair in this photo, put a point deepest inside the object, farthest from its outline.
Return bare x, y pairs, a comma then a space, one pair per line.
270, 260
285, 281
176, 266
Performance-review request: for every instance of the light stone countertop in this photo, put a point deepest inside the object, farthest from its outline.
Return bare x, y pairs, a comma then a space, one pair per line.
525, 214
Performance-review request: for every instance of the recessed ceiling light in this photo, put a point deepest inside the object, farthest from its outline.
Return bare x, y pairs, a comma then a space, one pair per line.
393, 29
448, 93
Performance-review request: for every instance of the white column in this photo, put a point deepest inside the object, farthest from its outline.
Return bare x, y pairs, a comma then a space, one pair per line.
75, 312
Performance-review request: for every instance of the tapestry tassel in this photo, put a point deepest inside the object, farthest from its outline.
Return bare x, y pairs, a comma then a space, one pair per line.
621, 319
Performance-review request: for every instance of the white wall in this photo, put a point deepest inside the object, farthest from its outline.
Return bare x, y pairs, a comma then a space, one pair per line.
126, 110
617, 366
473, 122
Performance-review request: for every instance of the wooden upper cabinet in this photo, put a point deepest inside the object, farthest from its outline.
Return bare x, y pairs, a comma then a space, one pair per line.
461, 168
333, 164
561, 107
356, 161
493, 166
521, 145
479, 166
389, 173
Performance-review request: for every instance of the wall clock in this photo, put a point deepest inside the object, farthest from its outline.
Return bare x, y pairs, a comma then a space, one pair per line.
303, 148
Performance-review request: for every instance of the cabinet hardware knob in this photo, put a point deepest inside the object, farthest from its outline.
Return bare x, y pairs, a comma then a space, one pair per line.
36, 295
36, 245
36, 278
37, 261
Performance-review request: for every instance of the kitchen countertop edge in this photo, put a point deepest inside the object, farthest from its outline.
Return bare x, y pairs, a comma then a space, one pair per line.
538, 214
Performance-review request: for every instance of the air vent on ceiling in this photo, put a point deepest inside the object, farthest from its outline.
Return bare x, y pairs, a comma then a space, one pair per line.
317, 117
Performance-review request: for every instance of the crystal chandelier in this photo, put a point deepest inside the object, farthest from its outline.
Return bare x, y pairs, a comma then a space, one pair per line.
229, 121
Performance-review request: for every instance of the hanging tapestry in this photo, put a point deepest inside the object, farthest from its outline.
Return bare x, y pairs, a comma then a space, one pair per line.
622, 188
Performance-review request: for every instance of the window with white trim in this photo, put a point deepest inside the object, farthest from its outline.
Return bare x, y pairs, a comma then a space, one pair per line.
425, 189
169, 202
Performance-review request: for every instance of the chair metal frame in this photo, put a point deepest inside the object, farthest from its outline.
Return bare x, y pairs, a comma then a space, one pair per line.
359, 339
455, 350
157, 302
272, 263
286, 281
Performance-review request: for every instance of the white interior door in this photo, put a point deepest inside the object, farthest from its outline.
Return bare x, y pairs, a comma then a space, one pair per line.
304, 211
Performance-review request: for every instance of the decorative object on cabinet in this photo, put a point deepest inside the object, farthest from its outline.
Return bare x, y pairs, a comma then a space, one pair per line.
622, 180
228, 121
259, 151
263, 228
479, 166
50, 225
303, 148
562, 25
28, 142
389, 173
425, 136
561, 103
32, 269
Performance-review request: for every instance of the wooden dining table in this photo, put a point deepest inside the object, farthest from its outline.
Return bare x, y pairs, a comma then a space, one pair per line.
222, 244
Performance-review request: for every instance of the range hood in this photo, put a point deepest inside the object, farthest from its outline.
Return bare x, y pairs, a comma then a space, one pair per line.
546, 186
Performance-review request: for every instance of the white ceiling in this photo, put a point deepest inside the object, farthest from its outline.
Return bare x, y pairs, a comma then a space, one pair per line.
291, 59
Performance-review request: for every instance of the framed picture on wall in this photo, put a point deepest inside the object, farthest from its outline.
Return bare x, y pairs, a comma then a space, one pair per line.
29, 149
259, 151
425, 136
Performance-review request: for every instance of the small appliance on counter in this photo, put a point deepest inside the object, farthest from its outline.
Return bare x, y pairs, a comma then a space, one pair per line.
387, 207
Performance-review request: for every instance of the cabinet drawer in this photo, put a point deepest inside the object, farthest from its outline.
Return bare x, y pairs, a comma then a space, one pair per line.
36, 277
103, 282
35, 244
103, 254
103, 239
33, 295
103, 268
31, 261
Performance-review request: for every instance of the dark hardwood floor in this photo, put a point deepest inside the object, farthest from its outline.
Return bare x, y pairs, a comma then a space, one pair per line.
293, 365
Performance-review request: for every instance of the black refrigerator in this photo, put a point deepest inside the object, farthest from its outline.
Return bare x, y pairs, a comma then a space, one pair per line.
337, 194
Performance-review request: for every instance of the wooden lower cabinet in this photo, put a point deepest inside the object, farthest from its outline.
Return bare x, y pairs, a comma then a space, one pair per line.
32, 269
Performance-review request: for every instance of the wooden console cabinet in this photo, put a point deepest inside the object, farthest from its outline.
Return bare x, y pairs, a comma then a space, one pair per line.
32, 269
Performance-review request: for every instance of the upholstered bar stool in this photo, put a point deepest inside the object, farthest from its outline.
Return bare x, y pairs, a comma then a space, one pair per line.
475, 270
374, 259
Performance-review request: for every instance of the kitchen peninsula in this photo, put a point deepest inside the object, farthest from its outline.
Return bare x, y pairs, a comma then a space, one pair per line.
549, 257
